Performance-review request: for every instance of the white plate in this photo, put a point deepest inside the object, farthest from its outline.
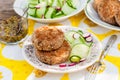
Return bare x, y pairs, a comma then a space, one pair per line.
22, 4
29, 55
92, 15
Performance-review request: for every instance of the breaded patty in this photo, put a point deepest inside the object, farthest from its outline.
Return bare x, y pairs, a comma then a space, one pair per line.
96, 3
117, 16
107, 11
55, 57
48, 38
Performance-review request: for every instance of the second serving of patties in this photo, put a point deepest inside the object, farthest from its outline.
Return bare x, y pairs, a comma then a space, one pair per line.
47, 38
108, 10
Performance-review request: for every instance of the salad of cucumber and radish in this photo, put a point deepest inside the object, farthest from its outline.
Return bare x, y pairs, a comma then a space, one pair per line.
48, 9
81, 44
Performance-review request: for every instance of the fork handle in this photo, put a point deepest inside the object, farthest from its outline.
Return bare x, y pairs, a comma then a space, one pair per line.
110, 42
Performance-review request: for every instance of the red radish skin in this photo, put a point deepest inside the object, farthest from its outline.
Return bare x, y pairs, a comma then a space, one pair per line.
89, 39
58, 8
86, 35
37, 7
62, 65
76, 36
72, 64
82, 60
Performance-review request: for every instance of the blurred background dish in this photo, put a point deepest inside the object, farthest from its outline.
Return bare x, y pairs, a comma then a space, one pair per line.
24, 3
92, 14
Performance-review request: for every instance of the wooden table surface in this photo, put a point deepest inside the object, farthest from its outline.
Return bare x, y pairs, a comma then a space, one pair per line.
6, 9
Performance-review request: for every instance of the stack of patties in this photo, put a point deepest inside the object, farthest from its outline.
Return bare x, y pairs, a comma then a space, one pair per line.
50, 45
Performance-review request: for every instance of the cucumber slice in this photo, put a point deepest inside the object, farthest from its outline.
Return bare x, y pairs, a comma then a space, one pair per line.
40, 12
32, 12
49, 13
50, 2
32, 6
80, 32
80, 50
89, 44
75, 3
42, 4
61, 2
76, 41
59, 13
73, 39
75, 59
82, 40
56, 3
42, 1
59, 16
32, 9
33, 1
69, 36
67, 9
69, 2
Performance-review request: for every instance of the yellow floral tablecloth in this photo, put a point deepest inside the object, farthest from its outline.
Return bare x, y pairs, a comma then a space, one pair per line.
14, 67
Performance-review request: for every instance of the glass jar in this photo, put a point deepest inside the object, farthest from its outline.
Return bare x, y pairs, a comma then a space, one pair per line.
13, 30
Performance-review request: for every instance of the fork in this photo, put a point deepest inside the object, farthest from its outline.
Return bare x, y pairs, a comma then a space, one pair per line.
91, 75
19, 23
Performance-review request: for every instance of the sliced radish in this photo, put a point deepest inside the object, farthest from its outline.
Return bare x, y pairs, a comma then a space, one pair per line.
89, 39
62, 65
82, 59
76, 36
86, 35
42, 4
72, 64
38, 6
58, 8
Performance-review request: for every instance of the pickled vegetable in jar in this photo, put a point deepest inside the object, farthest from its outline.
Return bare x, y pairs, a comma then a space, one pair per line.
13, 29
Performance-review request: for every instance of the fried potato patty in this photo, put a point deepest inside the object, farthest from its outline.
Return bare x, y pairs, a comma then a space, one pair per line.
47, 38
54, 57
96, 3
117, 16
107, 11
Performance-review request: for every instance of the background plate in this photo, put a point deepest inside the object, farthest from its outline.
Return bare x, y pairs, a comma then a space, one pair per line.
92, 15
19, 5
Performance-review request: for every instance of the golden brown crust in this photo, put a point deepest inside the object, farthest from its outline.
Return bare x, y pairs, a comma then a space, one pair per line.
47, 38
117, 16
107, 11
96, 3
54, 57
